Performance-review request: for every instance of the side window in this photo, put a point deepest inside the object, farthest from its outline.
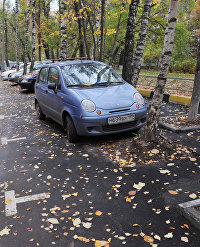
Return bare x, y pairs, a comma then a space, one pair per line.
54, 77
42, 76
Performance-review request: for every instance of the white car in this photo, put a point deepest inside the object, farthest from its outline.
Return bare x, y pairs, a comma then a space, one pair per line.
5, 74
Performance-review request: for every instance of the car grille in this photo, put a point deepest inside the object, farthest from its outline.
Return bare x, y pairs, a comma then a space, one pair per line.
115, 127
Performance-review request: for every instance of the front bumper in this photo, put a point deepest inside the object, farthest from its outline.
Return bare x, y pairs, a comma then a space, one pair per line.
96, 126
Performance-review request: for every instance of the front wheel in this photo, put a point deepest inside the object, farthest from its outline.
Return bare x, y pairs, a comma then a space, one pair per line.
39, 112
71, 130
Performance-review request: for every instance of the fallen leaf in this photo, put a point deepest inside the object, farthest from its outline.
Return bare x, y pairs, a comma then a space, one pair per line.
148, 239
184, 239
128, 199
53, 221
77, 222
87, 225
173, 192
139, 186
98, 213
5, 231
155, 151
132, 192
169, 235
193, 159
193, 196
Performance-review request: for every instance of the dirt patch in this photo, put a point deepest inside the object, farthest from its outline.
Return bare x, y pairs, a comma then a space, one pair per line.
133, 150
180, 121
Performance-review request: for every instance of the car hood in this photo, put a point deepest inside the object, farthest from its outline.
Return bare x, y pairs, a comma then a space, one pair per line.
111, 97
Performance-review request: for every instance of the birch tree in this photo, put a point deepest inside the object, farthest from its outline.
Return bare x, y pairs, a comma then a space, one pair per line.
63, 45
194, 105
17, 33
103, 9
33, 35
3, 45
154, 112
141, 42
129, 41
26, 37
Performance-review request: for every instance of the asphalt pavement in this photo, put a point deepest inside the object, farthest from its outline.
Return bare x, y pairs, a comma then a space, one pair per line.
54, 193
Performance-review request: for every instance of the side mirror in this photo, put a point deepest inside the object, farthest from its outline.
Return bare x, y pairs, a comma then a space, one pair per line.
52, 85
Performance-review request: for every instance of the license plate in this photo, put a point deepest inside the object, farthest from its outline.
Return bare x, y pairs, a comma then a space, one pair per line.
121, 119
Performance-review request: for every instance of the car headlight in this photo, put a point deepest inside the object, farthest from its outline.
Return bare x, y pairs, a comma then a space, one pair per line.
138, 99
24, 80
88, 105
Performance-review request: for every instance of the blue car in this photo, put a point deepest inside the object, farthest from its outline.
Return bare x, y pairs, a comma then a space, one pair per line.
88, 98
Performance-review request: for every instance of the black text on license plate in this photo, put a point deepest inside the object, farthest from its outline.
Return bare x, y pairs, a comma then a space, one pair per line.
121, 119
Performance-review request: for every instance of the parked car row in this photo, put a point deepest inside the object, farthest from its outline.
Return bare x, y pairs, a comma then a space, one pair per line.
25, 81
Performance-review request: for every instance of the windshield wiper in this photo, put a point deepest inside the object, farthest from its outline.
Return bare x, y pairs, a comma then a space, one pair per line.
78, 85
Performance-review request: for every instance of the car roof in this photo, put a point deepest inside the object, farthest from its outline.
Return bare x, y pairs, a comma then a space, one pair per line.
73, 62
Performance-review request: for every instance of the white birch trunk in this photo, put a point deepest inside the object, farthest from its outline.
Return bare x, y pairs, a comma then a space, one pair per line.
154, 112
63, 46
33, 35
26, 37
141, 42
17, 34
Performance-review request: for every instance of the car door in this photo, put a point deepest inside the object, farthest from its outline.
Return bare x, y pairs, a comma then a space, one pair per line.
55, 96
41, 91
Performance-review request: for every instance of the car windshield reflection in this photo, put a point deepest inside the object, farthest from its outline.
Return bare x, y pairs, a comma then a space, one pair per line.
90, 75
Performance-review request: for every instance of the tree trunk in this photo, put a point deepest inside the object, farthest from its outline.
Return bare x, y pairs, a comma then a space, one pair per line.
52, 53
81, 39
63, 31
39, 32
154, 112
17, 34
26, 37
33, 35
21, 40
92, 30
194, 105
112, 54
141, 42
103, 9
3, 45
129, 41
6, 42
97, 25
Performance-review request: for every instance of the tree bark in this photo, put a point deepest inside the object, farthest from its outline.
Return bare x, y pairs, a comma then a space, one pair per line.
17, 34
63, 31
26, 37
3, 45
39, 31
81, 39
92, 30
154, 112
101, 41
33, 35
113, 54
194, 105
129, 41
141, 42
6, 42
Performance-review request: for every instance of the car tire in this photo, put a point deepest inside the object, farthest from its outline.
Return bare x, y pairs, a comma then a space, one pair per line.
71, 130
39, 112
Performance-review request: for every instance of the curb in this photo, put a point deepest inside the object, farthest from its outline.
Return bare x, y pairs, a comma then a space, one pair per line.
172, 98
178, 130
188, 210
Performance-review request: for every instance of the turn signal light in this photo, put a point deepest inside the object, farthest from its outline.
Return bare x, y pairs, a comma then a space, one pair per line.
137, 106
98, 112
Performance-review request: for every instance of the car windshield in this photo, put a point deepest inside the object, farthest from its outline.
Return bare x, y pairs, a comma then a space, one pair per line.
89, 74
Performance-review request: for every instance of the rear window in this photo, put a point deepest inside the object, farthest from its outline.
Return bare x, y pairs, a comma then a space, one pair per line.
42, 76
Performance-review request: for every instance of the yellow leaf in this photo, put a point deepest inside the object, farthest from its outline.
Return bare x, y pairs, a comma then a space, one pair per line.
128, 199
193, 159
8, 200
97, 243
173, 192
98, 213
148, 239
115, 170
86, 240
